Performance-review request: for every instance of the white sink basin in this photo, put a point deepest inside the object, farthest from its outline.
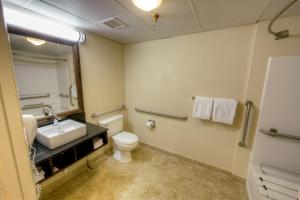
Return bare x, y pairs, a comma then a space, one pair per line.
53, 136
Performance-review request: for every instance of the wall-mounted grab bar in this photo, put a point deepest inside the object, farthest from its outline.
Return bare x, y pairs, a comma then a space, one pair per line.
70, 96
273, 132
38, 105
242, 143
280, 34
101, 114
162, 114
34, 96
64, 95
38, 57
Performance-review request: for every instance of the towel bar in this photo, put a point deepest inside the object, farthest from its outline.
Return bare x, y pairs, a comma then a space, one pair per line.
162, 114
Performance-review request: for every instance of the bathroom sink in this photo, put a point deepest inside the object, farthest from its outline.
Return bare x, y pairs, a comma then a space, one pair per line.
53, 136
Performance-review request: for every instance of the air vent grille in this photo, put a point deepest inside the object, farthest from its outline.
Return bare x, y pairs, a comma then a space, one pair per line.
114, 23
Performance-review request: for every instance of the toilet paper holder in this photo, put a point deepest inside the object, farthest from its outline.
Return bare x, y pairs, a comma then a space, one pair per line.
150, 123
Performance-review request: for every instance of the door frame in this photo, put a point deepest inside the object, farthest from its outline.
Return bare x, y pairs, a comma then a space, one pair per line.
16, 180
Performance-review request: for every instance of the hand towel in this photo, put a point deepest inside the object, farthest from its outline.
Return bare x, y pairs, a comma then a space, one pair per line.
74, 91
224, 110
202, 107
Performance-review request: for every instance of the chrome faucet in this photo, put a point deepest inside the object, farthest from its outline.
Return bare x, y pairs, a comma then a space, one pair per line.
55, 118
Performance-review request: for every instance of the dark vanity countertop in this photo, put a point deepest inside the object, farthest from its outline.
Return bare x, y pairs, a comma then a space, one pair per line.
43, 153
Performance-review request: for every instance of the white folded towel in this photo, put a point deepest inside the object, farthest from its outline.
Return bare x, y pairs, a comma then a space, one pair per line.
202, 107
224, 110
73, 91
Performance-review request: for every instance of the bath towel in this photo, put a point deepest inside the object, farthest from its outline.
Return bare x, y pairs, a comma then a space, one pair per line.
224, 110
202, 107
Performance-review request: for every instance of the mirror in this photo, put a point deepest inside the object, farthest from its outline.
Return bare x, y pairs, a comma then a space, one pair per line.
47, 76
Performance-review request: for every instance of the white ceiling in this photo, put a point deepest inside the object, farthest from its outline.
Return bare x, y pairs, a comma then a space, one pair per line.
177, 17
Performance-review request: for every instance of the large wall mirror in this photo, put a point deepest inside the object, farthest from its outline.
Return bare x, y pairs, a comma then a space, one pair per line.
47, 75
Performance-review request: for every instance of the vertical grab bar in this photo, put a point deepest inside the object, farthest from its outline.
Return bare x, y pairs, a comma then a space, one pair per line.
242, 143
70, 96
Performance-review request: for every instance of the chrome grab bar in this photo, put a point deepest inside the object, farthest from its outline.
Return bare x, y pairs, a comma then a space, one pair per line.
38, 105
34, 96
273, 133
70, 96
101, 114
64, 95
242, 143
162, 114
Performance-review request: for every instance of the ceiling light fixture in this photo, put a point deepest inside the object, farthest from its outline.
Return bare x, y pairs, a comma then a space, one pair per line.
155, 17
35, 41
147, 5
42, 25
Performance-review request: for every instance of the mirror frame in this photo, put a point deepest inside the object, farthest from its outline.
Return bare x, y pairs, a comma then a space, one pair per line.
77, 71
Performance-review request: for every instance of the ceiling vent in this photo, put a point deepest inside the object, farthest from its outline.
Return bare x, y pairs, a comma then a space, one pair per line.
114, 23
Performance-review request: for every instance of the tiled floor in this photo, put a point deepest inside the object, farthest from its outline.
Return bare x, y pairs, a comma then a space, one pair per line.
153, 175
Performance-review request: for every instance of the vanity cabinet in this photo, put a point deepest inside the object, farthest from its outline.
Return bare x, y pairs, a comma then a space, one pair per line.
52, 161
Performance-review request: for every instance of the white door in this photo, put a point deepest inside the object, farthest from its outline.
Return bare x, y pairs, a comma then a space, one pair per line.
280, 110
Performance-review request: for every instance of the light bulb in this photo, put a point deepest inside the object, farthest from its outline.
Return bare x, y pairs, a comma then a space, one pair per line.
147, 5
34, 41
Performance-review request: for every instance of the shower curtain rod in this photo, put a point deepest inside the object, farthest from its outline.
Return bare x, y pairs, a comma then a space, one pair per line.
280, 34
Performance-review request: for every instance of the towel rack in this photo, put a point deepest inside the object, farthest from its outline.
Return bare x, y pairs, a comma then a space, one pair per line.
34, 96
273, 133
161, 114
101, 114
242, 143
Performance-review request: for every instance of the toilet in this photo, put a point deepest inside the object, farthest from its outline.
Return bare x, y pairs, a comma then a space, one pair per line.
123, 142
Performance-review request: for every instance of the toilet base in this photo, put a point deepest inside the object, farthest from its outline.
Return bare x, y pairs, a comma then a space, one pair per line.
122, 156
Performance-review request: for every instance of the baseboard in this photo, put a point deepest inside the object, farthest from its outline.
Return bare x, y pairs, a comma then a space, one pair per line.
248, 192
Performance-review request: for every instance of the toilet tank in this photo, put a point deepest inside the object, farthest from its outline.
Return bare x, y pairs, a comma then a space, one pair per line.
114, 124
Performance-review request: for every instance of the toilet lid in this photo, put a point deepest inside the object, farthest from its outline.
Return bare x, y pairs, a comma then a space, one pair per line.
125, 138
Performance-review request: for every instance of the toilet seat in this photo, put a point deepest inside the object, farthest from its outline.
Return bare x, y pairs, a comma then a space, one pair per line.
125, 138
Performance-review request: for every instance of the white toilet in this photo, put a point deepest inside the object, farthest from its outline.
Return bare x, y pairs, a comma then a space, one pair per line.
123, 142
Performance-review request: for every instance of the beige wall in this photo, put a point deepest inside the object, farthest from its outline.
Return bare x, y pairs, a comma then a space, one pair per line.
160, 75
265, 46
163, 75
102, 75
15, 168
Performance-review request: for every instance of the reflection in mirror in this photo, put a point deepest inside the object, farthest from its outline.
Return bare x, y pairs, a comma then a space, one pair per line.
45, 76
